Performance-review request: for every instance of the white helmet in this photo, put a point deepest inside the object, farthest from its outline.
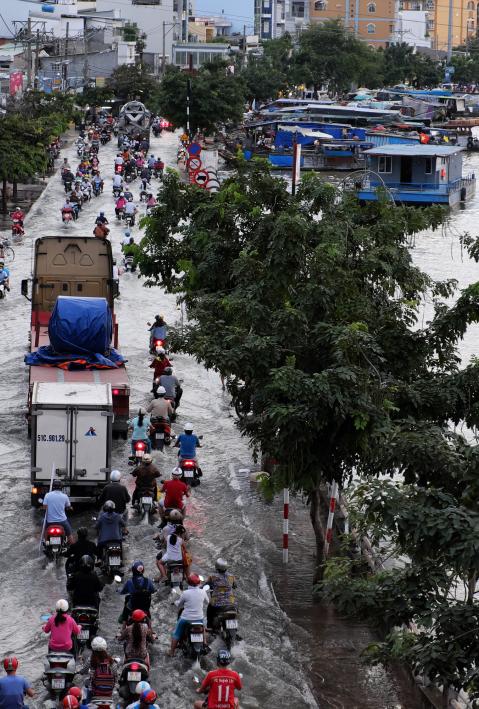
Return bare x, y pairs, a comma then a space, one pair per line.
142, 686
61, 605
188, 427
160, 350
147, 458
161, 391
99, 643
177, 472
115, 476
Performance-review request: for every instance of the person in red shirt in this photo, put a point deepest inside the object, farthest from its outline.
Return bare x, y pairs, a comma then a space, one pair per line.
220, 686
175, 490
160, 363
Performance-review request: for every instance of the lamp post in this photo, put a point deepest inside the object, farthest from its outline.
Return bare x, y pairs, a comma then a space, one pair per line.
171, 25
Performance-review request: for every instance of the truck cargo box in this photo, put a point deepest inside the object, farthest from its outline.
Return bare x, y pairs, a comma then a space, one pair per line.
71, 434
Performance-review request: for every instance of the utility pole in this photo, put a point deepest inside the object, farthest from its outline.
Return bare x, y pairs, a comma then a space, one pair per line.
65, 64
449, 31
163, 58
184, 22
188, 98
244, 45
29, 53
85, 61
37, 61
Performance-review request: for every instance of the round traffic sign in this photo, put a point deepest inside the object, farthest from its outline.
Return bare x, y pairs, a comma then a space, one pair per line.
201, 177
194, 149
193, 164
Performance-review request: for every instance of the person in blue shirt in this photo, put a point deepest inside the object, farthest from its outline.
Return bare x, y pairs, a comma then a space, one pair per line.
140, 425
158, 331
56, 503
13, 687
110, 526
138, 590
4, 274
187, 442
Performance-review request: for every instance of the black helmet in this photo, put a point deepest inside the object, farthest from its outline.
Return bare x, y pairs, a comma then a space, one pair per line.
223, 657
82, 533
57, 485
87, 562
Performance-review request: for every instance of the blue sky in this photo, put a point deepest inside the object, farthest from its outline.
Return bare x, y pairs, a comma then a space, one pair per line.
239, 11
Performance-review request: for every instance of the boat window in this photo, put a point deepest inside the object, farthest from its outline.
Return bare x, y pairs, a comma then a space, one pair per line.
428, 167
372, 7
321, 5
371, 28
385, 163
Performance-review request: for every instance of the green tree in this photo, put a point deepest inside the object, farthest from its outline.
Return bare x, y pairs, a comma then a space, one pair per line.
398, 63
216, 96
328, 55
129, 82
262, 79
304, 303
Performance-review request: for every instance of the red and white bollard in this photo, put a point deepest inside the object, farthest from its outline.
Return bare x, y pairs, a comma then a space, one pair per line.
332, 508
285, 524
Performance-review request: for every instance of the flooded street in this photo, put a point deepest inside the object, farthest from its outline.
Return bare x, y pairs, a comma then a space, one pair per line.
291, 650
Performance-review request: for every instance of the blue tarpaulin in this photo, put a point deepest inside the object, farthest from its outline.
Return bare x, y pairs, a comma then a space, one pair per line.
80, 331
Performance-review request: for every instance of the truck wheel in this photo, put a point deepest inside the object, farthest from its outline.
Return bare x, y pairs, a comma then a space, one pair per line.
115, 435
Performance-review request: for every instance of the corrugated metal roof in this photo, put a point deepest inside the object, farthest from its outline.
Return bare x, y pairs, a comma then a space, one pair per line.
427, 151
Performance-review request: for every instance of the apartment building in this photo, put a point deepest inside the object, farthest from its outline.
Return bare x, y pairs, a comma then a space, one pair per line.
464, 20
275, 17
371, 20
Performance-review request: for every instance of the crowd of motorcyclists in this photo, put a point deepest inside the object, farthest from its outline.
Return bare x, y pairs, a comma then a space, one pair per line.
206, 608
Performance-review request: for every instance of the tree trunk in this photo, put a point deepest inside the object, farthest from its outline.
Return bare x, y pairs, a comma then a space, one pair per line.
15, 191
319, 532
471, 587
4, 195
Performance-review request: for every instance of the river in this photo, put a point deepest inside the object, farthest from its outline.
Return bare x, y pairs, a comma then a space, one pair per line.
292, 650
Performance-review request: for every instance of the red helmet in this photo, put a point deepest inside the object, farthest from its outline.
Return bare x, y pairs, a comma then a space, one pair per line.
194, 580
138, 616
75, 692
149, 696
70, 702
10, 664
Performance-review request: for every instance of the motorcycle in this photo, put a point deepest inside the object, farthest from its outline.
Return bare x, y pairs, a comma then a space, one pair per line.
129, 219
226, 623
102, 703
54, 543
193, 643
160, 433
130, 175
68, 186
80, 150
112, 558
133, 671
67, 217
17, 229
118, 169
87, 617
116, 192
104, 138
145, 505
140, 449
191, 473
175, 573
129, 264
156, 130
3, 291
59, 670
97, 189
120, 213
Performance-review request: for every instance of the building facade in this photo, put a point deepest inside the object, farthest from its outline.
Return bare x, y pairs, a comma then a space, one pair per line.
374, 21
272, 18
464, 20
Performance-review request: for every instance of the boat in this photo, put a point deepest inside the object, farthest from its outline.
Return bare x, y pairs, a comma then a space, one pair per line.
416, 174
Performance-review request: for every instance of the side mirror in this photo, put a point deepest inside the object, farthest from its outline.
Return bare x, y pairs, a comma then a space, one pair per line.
24, 288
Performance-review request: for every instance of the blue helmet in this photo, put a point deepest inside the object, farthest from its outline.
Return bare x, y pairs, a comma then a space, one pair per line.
223, 657
138, 567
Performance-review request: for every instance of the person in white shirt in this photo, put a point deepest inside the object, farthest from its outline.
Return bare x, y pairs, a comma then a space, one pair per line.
173, 553
118, 181
131, 210
119, 160
191, 604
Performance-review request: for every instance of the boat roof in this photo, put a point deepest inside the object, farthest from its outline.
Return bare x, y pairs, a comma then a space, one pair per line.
427, 151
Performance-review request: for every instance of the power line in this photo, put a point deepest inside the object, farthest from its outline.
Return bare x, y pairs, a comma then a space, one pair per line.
8, 28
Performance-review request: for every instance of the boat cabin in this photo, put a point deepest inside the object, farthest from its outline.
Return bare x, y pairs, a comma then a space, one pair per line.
424, 174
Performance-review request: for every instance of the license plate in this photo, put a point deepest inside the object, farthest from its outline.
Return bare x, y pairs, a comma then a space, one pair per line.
176, 578
134, 676
188, 473
58, 683
55, 540
231, 624
196, 637
146, 500
84, 634
160, 436
140, 454
115, 561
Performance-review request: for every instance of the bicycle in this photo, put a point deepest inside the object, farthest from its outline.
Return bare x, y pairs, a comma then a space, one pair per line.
6, 250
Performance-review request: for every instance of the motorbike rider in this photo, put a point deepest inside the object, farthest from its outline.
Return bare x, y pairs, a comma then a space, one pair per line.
117, 492
102, 669
136, 636
158, 330
131, 210
18, 215
4, 274
84, 585
101, 219
140, 425
160, 407
175, 490
151, 162
138, 590
68, 177
82, 547
127, 239
191, 605
141, 687
61, 627
172, 385
120, 205
119, 160
128, 194
175, 552
98, 184
222, 595
220, 685
159, 364
147, 700
146, 475
159, 167
110, 526
68, 208
117, 182
101, 231
187, 442
56, 503
13, 687
74, 203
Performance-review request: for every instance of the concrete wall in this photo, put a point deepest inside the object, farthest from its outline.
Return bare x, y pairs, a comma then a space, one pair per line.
100, 64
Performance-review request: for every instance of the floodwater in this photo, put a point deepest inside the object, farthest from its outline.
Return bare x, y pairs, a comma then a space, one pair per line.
292, 650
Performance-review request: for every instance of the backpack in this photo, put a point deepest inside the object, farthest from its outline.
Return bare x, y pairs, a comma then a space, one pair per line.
103, 680
140, 599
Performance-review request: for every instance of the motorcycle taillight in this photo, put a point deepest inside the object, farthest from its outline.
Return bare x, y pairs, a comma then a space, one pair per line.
188, 463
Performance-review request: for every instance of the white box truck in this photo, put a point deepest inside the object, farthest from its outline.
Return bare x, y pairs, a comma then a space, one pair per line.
71, 434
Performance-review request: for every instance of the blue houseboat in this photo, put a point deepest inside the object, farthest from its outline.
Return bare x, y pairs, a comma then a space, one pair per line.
417, 174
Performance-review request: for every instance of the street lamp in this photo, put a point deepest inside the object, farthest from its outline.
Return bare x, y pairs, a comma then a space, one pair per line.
171, 25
